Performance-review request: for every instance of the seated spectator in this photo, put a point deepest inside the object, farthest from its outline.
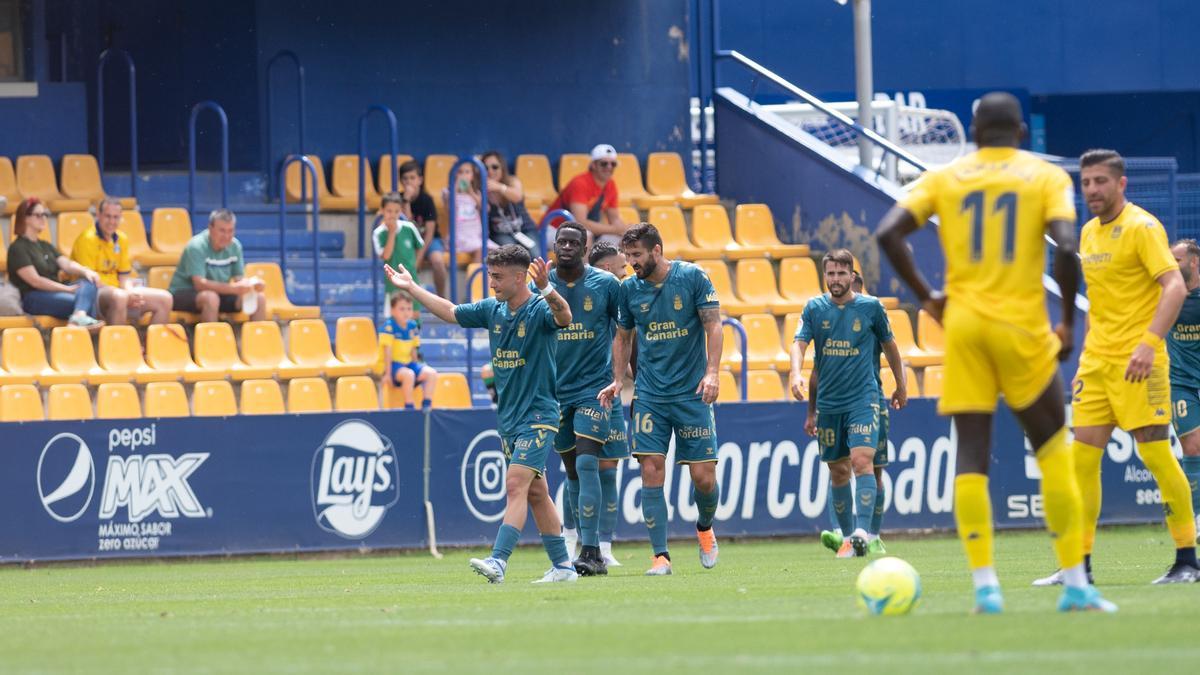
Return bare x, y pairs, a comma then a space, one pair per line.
34, 267
397, 241
420, 209
401, 337
209, 279
468, 199
509, 221
105, 249
592, 197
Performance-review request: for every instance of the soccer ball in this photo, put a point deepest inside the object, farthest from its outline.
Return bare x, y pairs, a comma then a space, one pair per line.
888, 586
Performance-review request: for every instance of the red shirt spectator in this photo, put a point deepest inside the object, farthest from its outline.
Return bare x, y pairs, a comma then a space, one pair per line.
592, 197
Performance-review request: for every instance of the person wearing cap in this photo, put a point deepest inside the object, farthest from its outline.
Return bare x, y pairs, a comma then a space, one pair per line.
591, 197
105, 249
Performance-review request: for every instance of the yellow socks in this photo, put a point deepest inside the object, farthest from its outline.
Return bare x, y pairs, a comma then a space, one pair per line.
1087, 476
1176, 493
973, 514
1060, 498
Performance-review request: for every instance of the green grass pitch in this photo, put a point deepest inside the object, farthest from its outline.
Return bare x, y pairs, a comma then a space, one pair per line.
769, 606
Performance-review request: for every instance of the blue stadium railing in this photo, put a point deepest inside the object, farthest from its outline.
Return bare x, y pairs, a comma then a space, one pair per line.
365, 233
224, 120
741, 333
275, 188
307, 171
133, 135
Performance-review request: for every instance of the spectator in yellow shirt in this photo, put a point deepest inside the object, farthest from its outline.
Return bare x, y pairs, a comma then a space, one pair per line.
105, 249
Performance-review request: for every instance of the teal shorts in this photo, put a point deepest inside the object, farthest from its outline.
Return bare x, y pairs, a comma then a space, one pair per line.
1185, 406
617, 446
691, 421
838, 432
881, 458
528, 447
589, 420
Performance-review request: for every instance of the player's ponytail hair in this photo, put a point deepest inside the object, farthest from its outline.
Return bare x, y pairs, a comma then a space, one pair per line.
838, 256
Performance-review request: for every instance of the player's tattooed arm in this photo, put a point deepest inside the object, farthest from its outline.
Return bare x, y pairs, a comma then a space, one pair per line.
900, 396
710, 386
559, 308
540, 271
622, 347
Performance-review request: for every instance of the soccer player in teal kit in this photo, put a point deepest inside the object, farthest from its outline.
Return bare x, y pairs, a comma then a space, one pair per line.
522, 329
674, 309
1183, 349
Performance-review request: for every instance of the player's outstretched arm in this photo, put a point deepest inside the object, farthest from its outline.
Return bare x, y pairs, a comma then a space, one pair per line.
436, 304
1066, 273
710, 385
896, 225
621, 348
892, 351
796, 376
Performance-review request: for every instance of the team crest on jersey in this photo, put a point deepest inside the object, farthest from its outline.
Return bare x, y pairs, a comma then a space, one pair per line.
824, 325
587, 303
496, 330
1116, 232
645, 307
857, 326
521, 329
678, 303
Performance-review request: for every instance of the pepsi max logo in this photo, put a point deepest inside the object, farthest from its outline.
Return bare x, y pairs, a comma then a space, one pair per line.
66, 477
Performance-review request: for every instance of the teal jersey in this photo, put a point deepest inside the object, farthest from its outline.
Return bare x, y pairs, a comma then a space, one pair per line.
847, 340
585, 347
672, 350
523, 346
1183, 344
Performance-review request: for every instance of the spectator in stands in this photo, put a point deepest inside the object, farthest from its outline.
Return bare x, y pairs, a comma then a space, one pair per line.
34, 266
468, 199
397, 241
105, 249
420, 209
209, 278
592, 197
509, 221
401, 338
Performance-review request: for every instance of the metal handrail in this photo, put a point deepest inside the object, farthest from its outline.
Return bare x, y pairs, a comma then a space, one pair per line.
306, 169
544, 227
452, 211
133, 136
470, 358
741, 331
276, 188
394, 137
224, 120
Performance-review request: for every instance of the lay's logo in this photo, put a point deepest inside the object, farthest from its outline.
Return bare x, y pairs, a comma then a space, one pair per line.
355, 480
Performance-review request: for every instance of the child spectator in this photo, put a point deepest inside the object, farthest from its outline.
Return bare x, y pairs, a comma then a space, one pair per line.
397, 241
468, 200
401, 337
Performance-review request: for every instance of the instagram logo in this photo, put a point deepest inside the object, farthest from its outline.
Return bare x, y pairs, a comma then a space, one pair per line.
483, 472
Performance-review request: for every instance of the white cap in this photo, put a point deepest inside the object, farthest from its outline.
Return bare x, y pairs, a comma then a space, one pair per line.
604, 151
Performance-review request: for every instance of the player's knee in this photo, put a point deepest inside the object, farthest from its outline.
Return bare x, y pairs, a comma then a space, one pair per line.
862, 463
839, 472
516, 485
705, 481
653, 470
1191, 444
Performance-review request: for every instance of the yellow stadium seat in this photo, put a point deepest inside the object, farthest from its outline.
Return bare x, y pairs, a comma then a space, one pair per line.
356, 340
764, 385
74, 360
665, 177
20, 403
167, 399
356, 393
728, 392
134, 227
385, 172
35, 178
930, 337
756, 284
216, 350
21, 321
81, 180
731, 304
69, 402
710, 230
628, 177
676, 244
117, 401
534, 173
763, 343
263, 397
452, 391
791, 323
934, 382
24, 358
731, 349
537, 213
70, 225
902, 330
160, 277
327, 201
756, 228
121, 355
889, 382
3, 254
478, 284
306, 395
167, 350
570, 165
262, 345
629, 215
215, 399
437, 179
308, 345
798, 279
278, 303
170, 230
345, 181
8, 187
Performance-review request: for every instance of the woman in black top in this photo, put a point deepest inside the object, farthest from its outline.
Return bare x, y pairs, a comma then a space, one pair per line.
509, 221
34, 266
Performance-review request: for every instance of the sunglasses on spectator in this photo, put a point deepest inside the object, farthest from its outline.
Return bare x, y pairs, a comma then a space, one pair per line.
39, 214
493, 167
607, 165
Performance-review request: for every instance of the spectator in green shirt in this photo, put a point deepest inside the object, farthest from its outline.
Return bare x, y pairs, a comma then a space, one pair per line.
209, 277
396, 240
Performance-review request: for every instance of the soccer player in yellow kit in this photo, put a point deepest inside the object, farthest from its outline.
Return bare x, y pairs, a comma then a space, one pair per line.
994, 207
1135, 290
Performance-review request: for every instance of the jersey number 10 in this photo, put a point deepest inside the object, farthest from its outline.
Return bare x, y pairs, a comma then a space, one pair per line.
1006, 202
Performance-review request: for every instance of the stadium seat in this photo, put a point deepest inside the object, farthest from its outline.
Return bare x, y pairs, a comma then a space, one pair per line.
534, 173
216, 350
889, 382
665, 177
728, 392
934, 382
756, 284
930, 337
167, 350
385, 172
24, 358
570, 165
676, 244
117, 401
215, 399
121, 355
279, 305
537, 213
3, 254
306, 395
263, 397
478, 284
69, 402
167, 399
262, 345
70, 225
731, 352
74, 360
35, 178
902, 330
327, 201
798, 279
356, 393
763, 344
437, 179
160, 277
356, 341
170, 230
764, 385
452, 391
20, 403
81, 180
345, 181
134, 227
710, 231
629, 215
756, 228
731, 304
791, 323
8, 187
308, 346
628, 177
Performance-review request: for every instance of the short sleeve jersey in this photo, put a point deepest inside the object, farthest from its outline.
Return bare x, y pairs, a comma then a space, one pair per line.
24, 252
108, 256
847, 341
404, 250
585, 346
200, 260
404, 339
1183, 344
582, 189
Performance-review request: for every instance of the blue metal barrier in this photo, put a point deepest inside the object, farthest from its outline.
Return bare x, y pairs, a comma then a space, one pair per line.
544, 227
741, 331
133, 135
452, 213
224, 120
394, 138
276, 188
471, 357
307, 169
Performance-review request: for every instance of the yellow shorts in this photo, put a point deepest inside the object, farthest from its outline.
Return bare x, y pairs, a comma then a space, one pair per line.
1101, 395
986, 357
